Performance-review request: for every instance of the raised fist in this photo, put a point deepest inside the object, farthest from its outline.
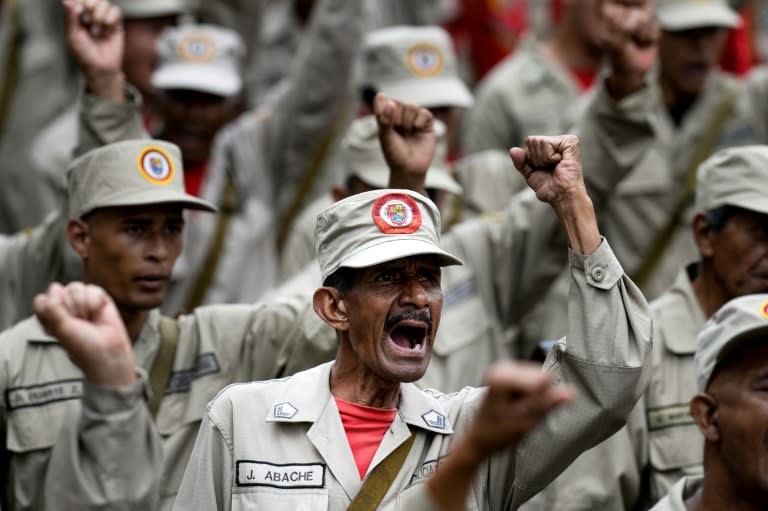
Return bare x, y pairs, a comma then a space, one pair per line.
408, 139
87, 324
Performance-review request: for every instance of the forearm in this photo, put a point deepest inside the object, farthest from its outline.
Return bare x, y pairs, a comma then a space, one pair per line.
577, 216
104, 121
109, 86
451, 484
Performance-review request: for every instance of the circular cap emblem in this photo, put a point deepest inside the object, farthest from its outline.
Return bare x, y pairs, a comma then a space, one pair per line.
197, 48
396, 214
156, 166
425, 60
764, 309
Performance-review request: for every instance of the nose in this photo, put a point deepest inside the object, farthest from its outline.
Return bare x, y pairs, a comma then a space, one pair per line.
157, 249
413, 294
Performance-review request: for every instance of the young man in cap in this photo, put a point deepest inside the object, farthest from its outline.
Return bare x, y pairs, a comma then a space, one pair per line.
661, 444
539, 89
730, 411
73, 423
302, 441
247, 167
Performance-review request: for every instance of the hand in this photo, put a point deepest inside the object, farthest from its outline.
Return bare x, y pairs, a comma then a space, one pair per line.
86, 322
95, 37
551, 166
630, 39
519, 397
408, 139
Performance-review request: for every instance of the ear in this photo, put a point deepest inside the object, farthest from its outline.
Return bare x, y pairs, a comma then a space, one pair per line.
703, 235
339, 192
79, 236
704, 410
329, 305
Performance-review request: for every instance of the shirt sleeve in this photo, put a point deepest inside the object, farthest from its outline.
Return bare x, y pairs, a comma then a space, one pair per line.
108, 455
207, 483
604, 357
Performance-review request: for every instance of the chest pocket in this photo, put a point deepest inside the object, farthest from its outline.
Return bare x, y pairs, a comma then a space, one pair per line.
38, 427
266, 499
674, 452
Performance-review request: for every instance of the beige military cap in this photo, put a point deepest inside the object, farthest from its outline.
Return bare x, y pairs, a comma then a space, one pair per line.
734, 177
203, 58
362, 157
130, 173
151, 8
415, 64
378, 226
738, 321
675, 15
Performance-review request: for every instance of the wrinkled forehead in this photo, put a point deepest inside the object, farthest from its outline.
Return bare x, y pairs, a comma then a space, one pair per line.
164, 211
744, 366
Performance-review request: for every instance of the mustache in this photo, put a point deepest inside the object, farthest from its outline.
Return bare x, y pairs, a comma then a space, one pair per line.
423, 316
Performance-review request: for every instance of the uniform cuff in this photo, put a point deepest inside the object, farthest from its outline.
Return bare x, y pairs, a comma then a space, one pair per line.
109, 399
601, 268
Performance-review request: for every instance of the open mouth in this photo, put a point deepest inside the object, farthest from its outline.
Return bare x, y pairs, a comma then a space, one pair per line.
409, 337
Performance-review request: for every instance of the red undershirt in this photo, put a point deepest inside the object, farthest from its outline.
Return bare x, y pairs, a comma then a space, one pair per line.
585, 78
193, 178
365, 427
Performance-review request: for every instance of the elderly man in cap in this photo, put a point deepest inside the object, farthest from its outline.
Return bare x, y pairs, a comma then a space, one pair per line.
660, 444
730, 411
247, 167
356, 432
74, 423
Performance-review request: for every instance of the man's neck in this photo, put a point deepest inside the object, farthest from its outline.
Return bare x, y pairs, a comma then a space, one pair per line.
677, 103
357, 385
710, 295
134, 321
716, 494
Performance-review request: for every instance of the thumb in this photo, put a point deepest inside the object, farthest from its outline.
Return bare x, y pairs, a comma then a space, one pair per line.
74, 9
518, 156
384, 109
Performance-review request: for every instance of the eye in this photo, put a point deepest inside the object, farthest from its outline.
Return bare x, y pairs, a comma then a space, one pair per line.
134, 229
386, 276
175, 229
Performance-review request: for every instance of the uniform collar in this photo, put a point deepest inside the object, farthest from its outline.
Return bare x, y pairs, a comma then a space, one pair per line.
304, 400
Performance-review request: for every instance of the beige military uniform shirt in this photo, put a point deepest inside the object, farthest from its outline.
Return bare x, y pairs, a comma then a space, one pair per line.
71, 445
680, 492
660, 443
281, 445
527, 93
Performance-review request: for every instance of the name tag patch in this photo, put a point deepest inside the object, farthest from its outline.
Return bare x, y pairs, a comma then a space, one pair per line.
43, 393
669, 416
181, 381
425, 471
297, 475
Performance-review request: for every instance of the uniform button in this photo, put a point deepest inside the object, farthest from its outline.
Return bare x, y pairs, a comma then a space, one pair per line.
598, 274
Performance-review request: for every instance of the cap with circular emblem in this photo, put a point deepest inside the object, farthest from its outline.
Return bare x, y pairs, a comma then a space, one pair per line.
129, 173
378, 226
